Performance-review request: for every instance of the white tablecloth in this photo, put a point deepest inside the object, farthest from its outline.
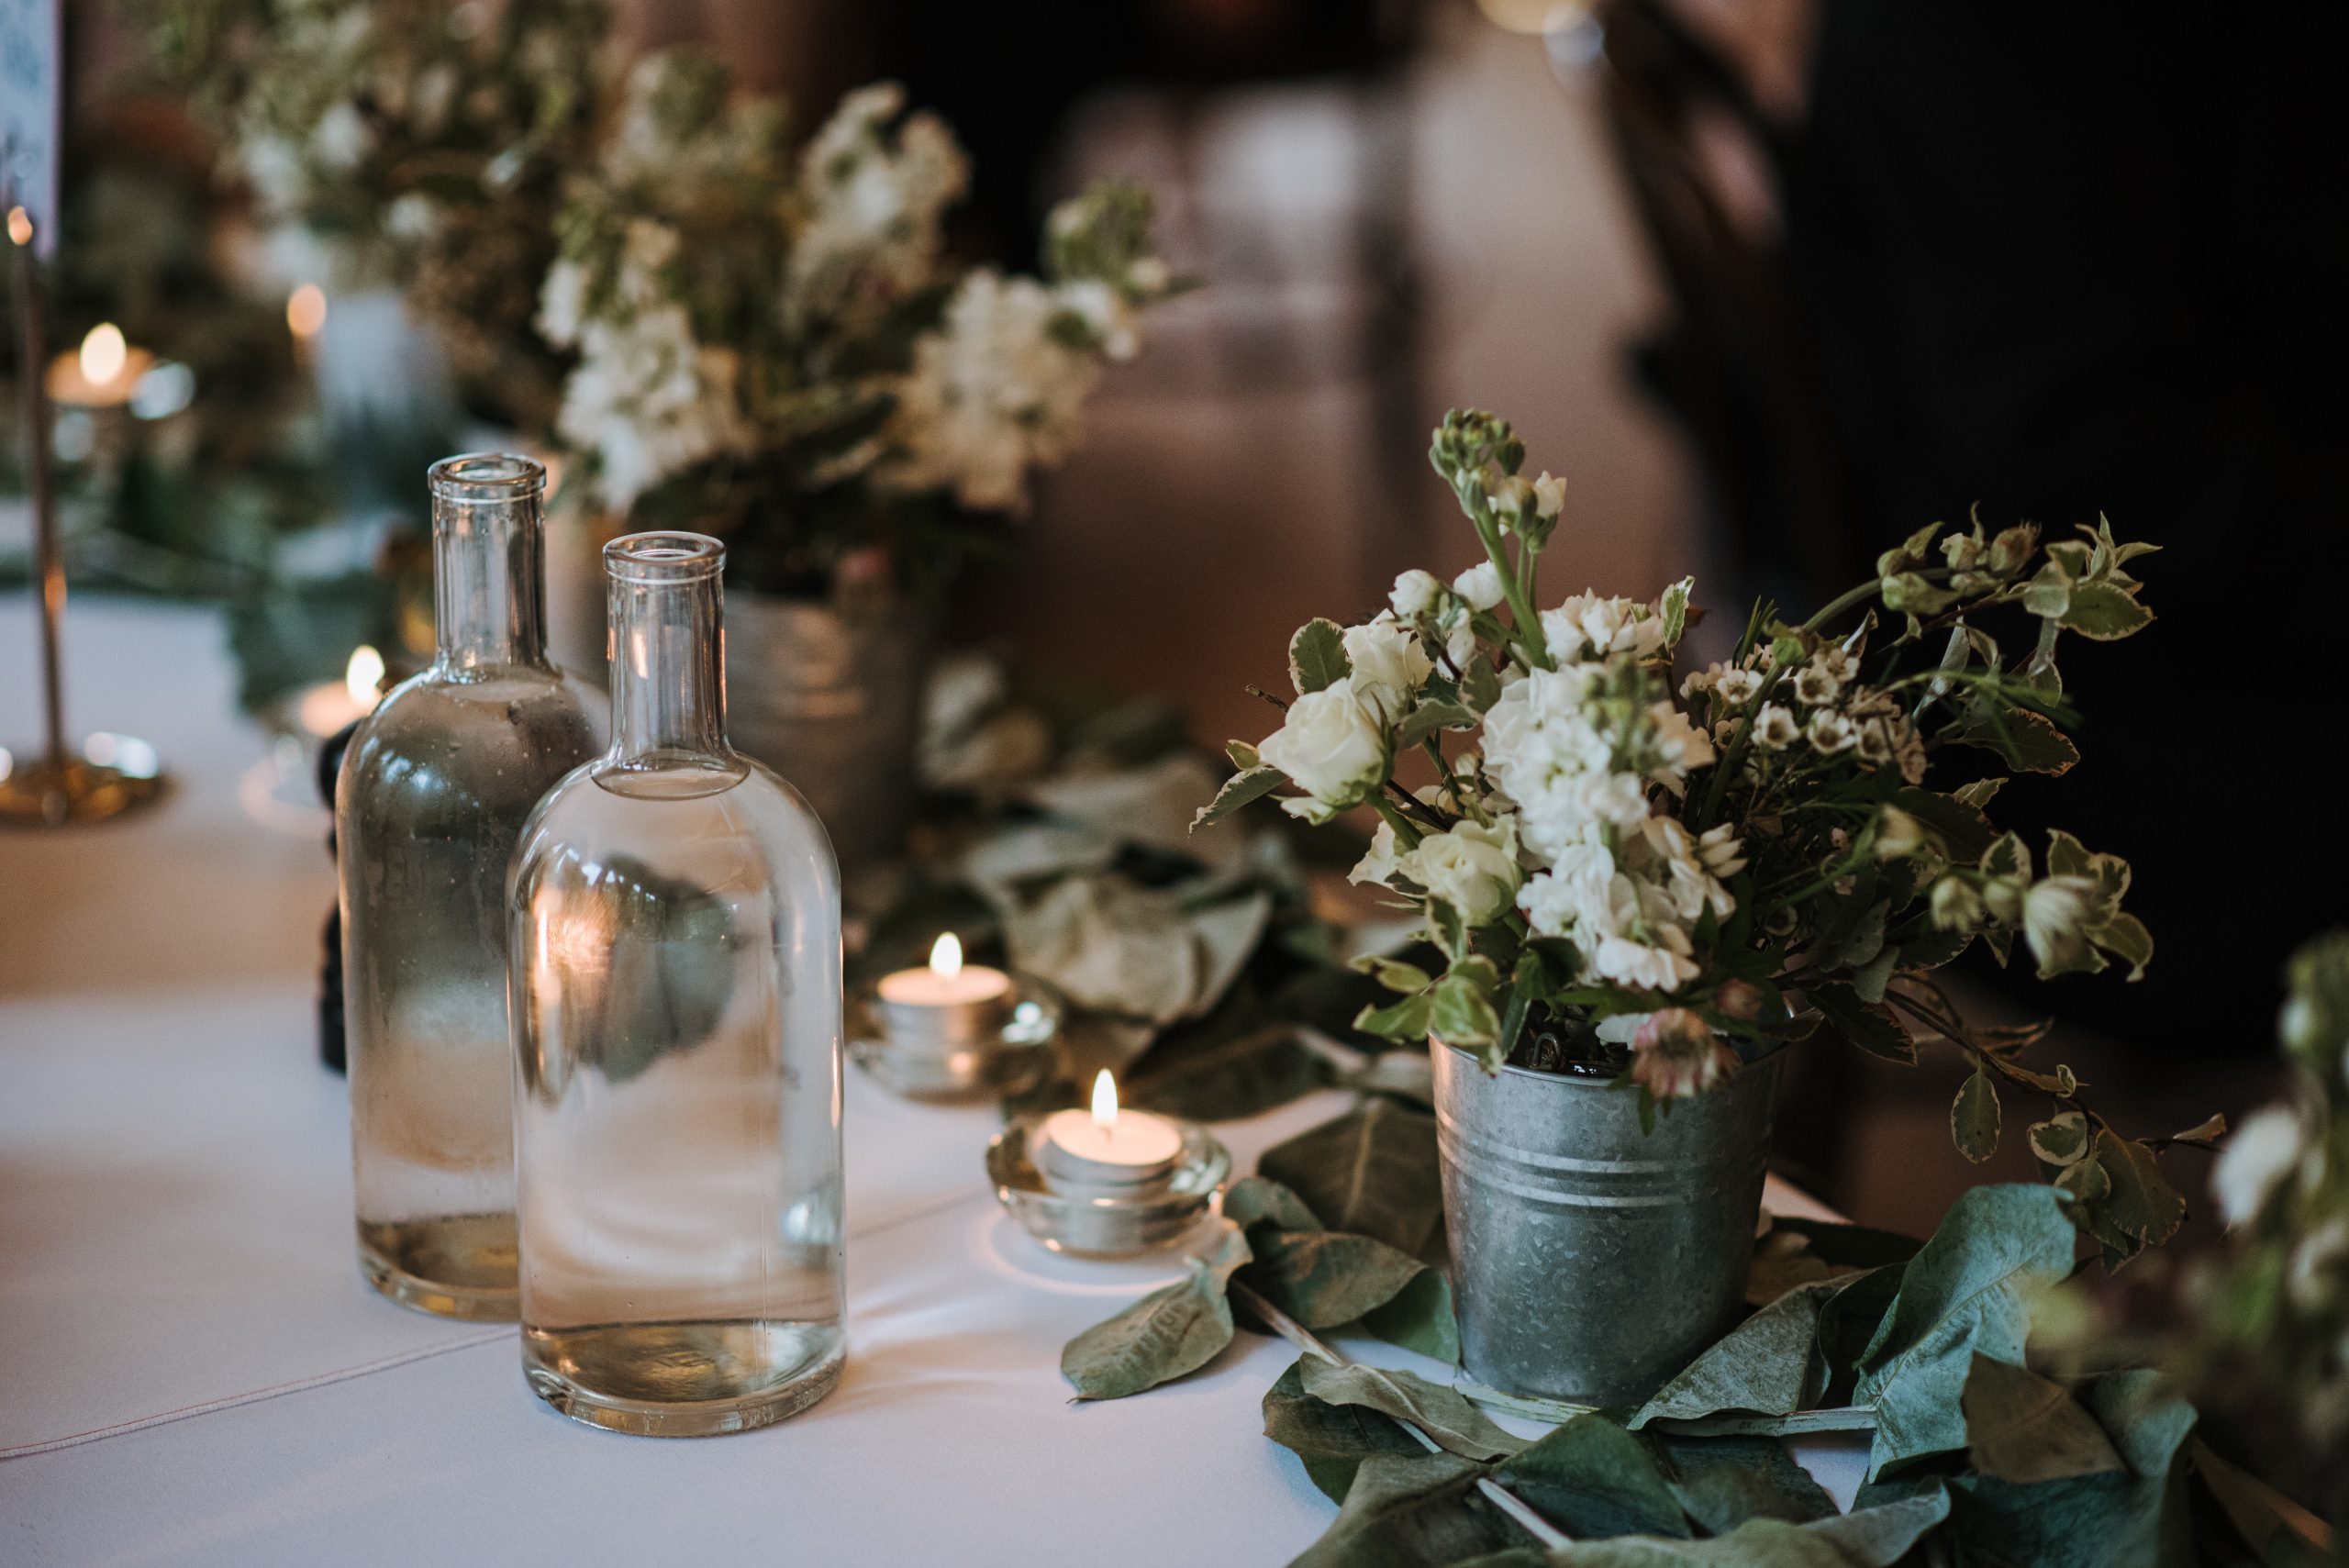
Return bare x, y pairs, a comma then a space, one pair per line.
191, 1371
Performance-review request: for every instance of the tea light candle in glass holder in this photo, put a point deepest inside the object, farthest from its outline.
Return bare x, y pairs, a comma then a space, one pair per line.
1103, 1181
956, 1030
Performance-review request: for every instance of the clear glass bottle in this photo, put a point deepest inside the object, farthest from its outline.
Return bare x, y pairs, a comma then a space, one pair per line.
429, 803
676, 975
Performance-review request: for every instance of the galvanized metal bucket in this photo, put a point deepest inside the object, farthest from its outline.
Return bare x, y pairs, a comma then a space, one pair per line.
831, 700
1591, 1261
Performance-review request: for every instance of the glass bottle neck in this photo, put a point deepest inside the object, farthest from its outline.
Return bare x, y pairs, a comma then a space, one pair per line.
668, 671
488, 582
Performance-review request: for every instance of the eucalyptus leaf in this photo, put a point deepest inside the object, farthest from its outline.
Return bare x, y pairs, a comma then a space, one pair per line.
1420, 1318
1968, 1289
1593, 1480
1443, 1413
2022, 1427
1211, 1070
1164, 1335
1865, 1538
1413, 1513
1721, 1482
1769, 1364
2135, 1517
1372, 1172
2256, 1510
1326, 1278
1255, 1200
1316, 656
1330, 1440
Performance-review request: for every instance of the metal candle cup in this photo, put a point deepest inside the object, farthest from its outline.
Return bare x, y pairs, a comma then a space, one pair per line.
947, 1007
1105, 1183
955, 1031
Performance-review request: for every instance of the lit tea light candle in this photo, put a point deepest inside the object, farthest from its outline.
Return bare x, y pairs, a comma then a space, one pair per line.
949, 1005
1105, 1148
102, 373
328, 706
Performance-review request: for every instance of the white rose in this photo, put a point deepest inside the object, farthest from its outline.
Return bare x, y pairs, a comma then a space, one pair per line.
1415, 591
1471, 868
1378, 867
2254, 1162
1332, 748
1480, 586
1389, 666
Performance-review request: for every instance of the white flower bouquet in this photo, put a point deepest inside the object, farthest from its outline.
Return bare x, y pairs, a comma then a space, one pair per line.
1663, 880
773, 344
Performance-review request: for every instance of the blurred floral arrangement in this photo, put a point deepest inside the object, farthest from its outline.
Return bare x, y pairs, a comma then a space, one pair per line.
1620, 881
637, 266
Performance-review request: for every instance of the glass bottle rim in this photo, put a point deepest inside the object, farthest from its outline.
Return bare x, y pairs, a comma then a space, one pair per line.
487, 479
666, 556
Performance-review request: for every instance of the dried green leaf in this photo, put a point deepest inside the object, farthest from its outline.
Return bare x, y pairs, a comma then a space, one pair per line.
2022, 1427
1164, 1335
1331, 1440
1372, 1171
1443, 1413
1594, 1480
1413, 1513
1769, 1364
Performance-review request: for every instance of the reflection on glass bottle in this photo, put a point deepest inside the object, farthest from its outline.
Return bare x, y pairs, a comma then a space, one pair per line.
429, 806
676, 976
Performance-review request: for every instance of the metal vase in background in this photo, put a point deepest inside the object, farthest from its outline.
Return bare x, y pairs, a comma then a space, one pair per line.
1591, 1261
830, 697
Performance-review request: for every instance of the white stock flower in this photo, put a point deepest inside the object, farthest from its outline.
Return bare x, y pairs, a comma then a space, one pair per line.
1415, 594
871, 232
2256, 1162
1332, 748
1643, 968
1480, 586
1113, 322
1589, 627
1472, 868
1549, 495
1681, 744
1511, 496
1389, 666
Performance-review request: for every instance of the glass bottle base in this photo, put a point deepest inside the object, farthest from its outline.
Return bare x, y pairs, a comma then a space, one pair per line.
683, 1380
458, 1265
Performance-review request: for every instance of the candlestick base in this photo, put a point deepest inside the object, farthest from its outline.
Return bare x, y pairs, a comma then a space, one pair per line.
1103, 1222
1001, 1062
107, 776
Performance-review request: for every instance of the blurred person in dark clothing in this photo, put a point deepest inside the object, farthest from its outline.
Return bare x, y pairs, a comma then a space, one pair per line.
2060, 260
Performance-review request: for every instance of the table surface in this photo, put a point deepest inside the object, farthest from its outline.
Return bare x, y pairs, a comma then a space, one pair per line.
191, 1371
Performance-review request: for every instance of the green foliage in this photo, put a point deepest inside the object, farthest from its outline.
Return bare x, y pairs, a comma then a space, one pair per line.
1164, 1335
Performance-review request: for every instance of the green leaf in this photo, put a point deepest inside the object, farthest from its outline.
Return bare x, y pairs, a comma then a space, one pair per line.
2136, 1516
1979, 793
2020, 1427
1238, 791
1768, 1364
1164, 1335
1406, 1020
1970, 1288
1673, 604
1594, 1480
1721, 1482
1394, 974
1974, 1117
1244, 755
1965, 832
1200, 1076
1871, 1026
1865, 1538
2060, 1139
1931, 950
1413, 1513
2105, 613
1429, 717
1331, 1440
1420, 1318
2257, 1510
1480, 686
1326, 1278
2125, 937
2142, 1203
1372, 1172
1253, 1201
1443, 1413
1463, 1014
1316, 656
2024, 739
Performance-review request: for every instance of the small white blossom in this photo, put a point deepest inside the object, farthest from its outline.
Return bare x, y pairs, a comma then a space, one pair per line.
1588, 626
1511, 496
1549, 495
1774, 727
2256, 1162
1332, 748
2054, 910
1830, 733
1480, 586
1415, 594
1816, 685
1389, 666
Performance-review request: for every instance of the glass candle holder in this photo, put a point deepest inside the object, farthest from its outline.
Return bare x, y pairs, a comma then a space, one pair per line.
953, 1032
1099, 1183
429, 804
676, 972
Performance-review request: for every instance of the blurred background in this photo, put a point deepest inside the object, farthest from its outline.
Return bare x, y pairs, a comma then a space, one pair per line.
1772, 282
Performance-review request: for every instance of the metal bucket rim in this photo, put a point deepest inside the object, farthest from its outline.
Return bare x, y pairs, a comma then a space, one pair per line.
1575, 1081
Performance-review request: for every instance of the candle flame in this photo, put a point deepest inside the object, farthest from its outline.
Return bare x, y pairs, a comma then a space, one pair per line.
946, 956
1104, 1101
363, 676
104, 353
20, 232
305, 311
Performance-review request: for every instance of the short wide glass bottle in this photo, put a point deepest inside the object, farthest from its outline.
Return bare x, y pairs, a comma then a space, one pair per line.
676, 983
429, 806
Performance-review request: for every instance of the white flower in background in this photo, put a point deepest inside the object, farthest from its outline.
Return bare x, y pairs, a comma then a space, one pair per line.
1549, 495
1480, 586
1644, 968
1830, 732
1472, 868
1680, 745
991, 395
1331, 747
2256, 1162
342, 140
1379, 866
871, 233
1115, 324
1415, 594
1389, 666
1587, 627
1511, 496
1774, 727
1733, 684
2319, 1254
2054, 908
1816, 684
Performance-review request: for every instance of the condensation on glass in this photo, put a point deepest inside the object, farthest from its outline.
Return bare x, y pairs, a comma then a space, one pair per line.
676, 975
431, 802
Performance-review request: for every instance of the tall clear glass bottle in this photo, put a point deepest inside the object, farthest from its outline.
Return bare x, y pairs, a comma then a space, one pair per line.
676, 976
429, 806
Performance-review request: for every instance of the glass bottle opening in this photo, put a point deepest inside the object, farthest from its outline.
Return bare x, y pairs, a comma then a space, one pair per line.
663, 558
482, 479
